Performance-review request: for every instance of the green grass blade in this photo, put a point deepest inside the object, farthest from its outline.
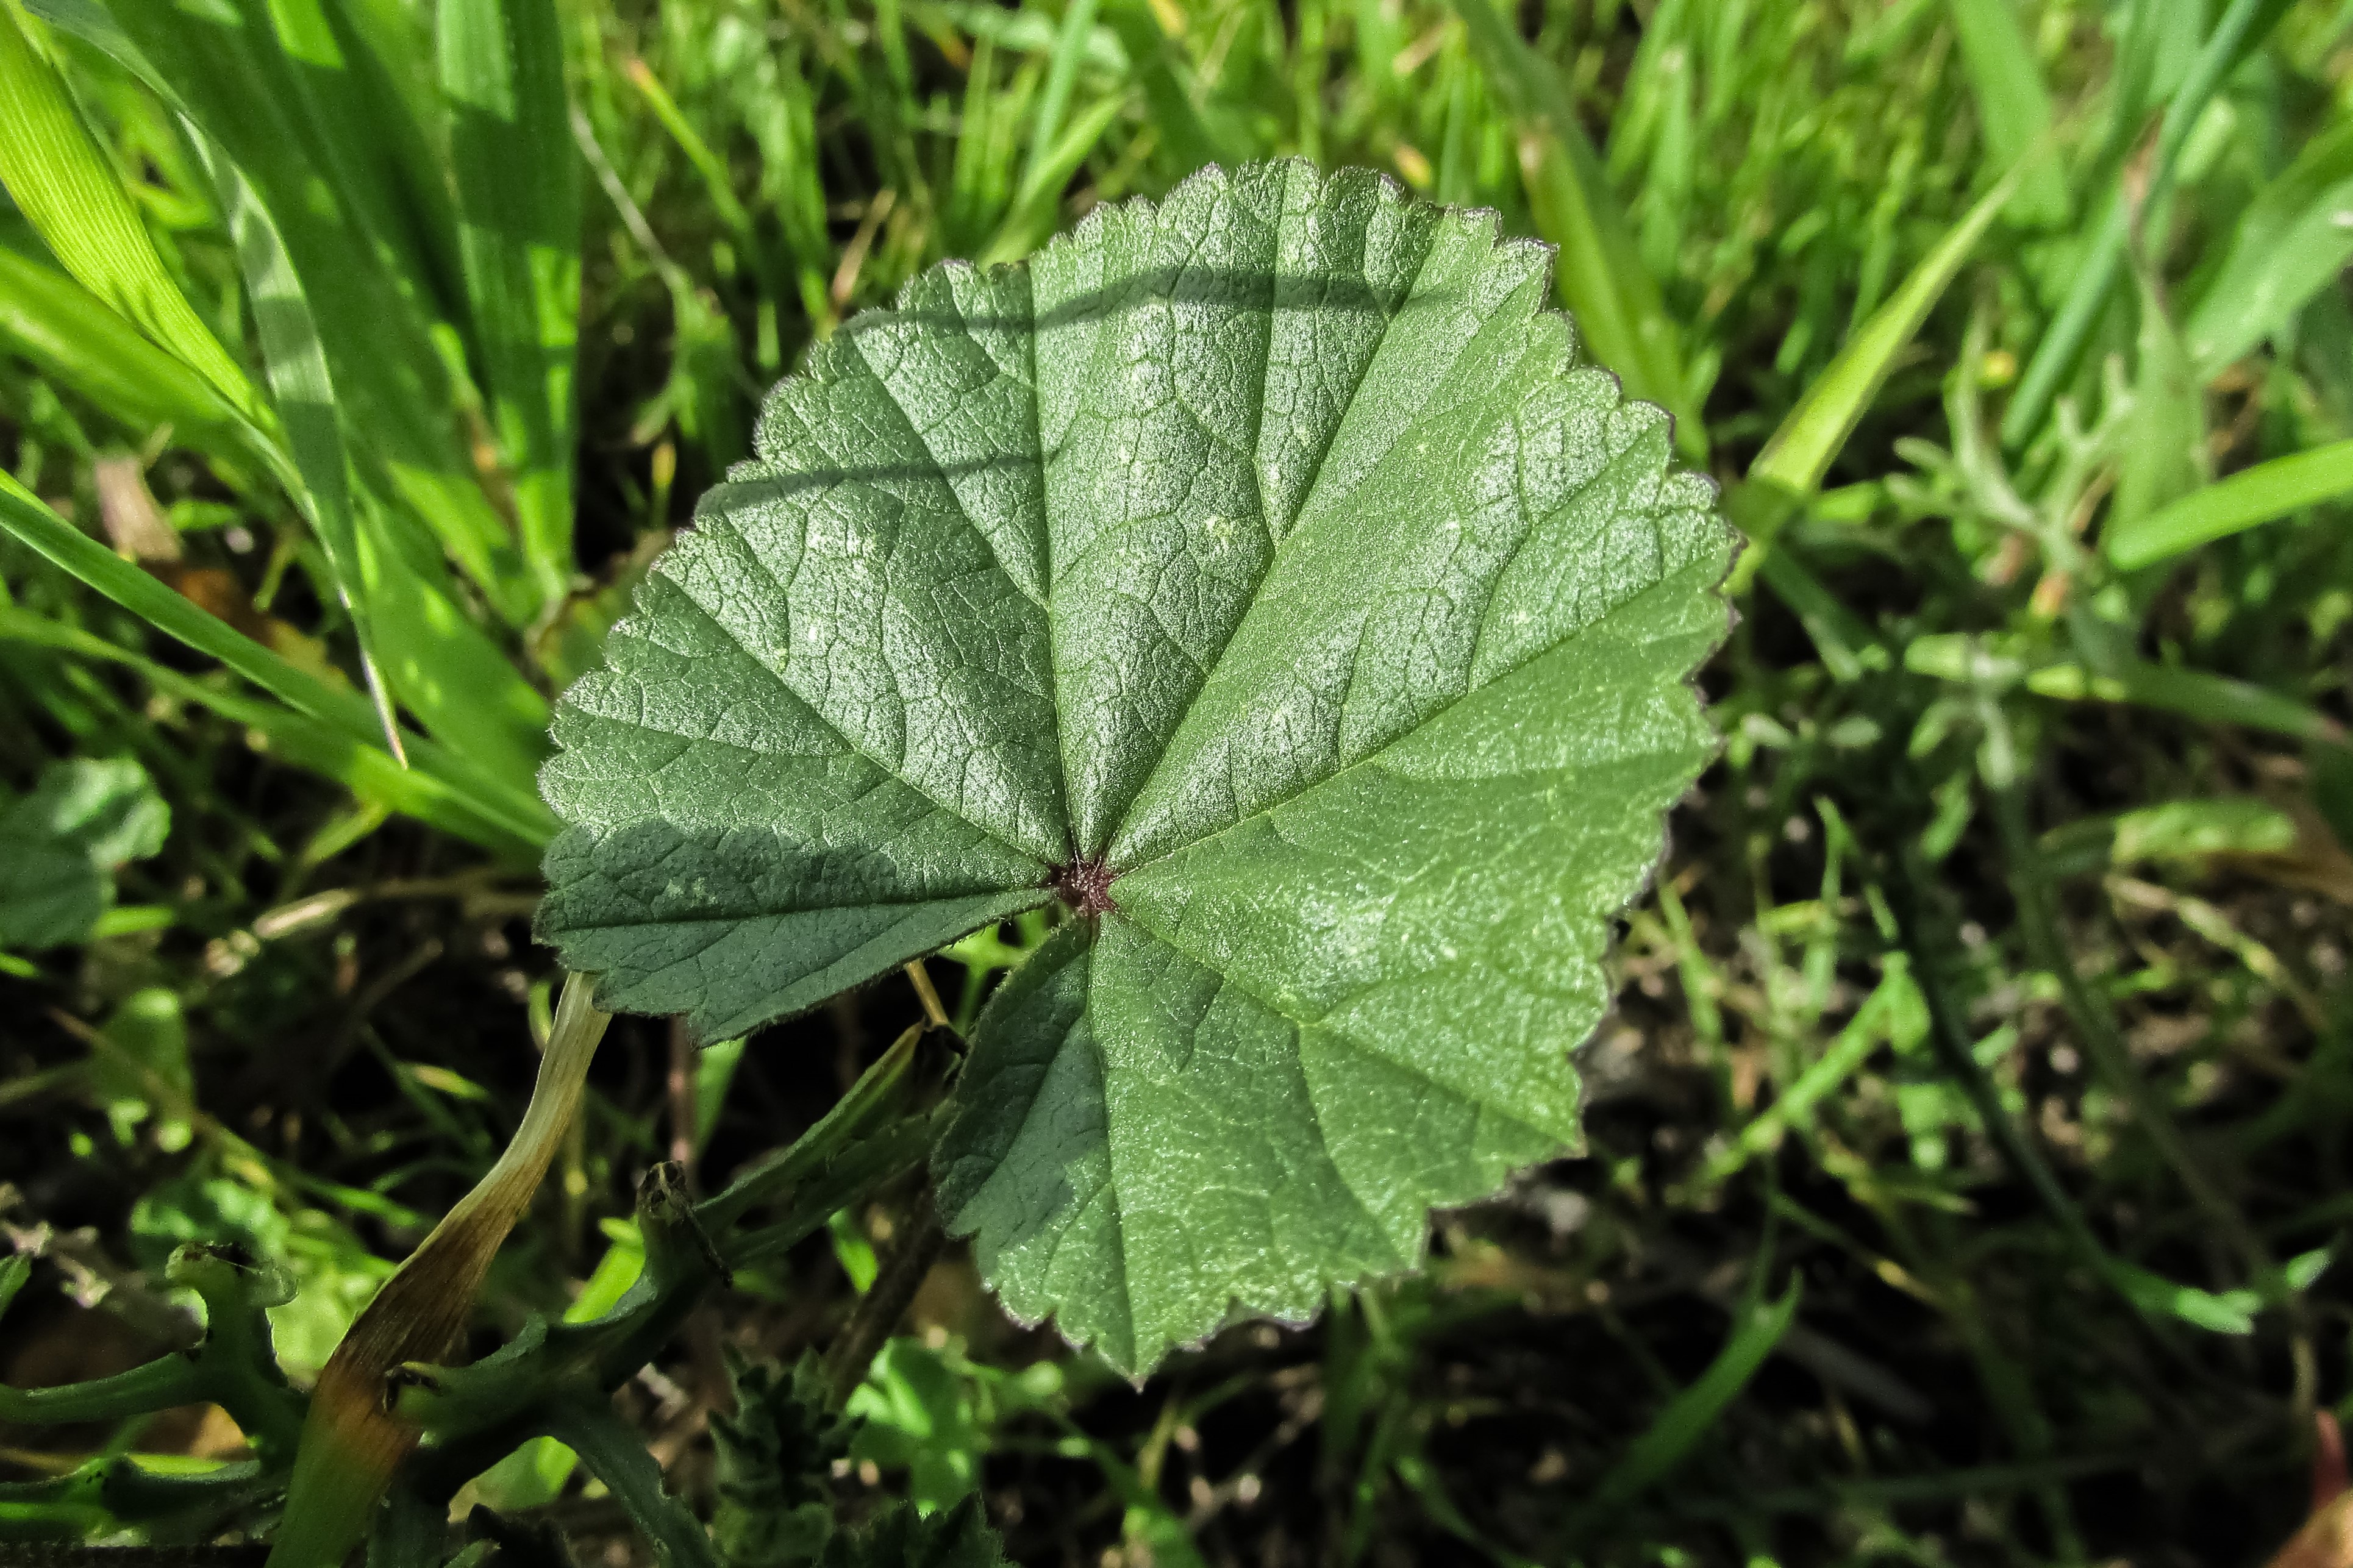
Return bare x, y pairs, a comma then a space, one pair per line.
1678, 1428
518, 188
1069, 45
312, 464
70, 335
412, 634
2242, 26
1793, 461
2288, 245
2013, 104
296, 111
1168, 90
66, 546
2193, 693
368, 771
64, 184
1034, 216
2226, 1312
717, 184
1619, 310
341, 710
2264, 493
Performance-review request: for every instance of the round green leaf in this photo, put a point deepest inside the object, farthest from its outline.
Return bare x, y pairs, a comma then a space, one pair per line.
60, 846
1256, 574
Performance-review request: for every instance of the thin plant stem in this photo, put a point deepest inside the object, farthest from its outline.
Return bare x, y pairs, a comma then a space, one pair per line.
886, 1301
351, 1442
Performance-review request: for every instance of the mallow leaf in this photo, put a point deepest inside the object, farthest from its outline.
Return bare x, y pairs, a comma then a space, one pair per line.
1258, 575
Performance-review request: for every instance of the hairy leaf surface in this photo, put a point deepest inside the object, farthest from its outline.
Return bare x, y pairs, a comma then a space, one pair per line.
1257, 573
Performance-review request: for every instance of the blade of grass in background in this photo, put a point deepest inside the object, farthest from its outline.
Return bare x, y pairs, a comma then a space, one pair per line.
2013, 104
411, 630
372, 773
2264, 493
2242, 26
1757, 1328
76, 339
1037, 212
72, 194
306, 411
1069, 43
343, 711
2293, 241
1620, 313
1790, 466
286, 96
1168, 91
518, 193
442, 665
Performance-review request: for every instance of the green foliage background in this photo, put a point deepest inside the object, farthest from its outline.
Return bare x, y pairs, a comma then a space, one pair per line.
1968, 1147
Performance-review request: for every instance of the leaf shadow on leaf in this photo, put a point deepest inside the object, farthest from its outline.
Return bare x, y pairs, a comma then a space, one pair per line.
1319, 292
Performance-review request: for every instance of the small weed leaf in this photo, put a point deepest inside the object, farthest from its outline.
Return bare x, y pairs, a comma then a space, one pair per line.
1257, 577
61, 844
774, 1455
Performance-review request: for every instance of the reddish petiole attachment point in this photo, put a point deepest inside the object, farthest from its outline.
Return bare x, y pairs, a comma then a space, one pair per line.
1086, 886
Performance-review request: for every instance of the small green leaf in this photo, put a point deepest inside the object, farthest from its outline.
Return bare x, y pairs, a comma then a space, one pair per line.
61, 845
774, 1455
148, 1034
2223, 1312
2164, 457
1260, 575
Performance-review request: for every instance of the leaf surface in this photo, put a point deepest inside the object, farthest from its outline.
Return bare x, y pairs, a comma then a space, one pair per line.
1259, 574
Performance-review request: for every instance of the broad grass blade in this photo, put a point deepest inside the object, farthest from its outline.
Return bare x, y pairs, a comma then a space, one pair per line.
72, 337
2013, 104
296, 98
2264, 493
518, 194
442, 665
2292, 241
313, 462
65, 185
337, 710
